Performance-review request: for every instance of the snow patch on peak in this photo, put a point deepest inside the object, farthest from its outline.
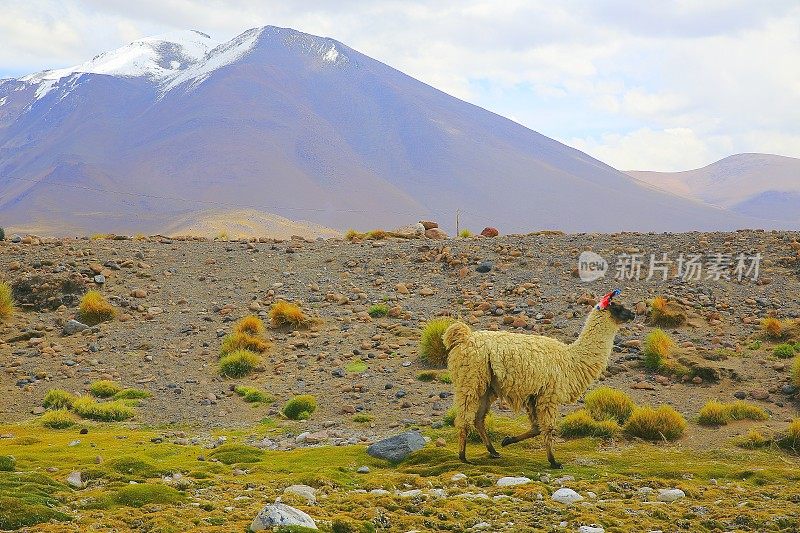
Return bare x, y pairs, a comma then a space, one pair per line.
331, 54
219, 57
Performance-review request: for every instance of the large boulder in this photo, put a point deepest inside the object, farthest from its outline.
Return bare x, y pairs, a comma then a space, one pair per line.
435, 233
280, 514
429, 224
73, 326
397, 448
490, 232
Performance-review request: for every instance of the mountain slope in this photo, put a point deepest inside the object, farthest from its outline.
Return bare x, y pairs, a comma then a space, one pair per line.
299, 126
757, 185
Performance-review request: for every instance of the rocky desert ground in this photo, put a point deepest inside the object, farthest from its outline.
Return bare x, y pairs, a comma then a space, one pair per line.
214, 460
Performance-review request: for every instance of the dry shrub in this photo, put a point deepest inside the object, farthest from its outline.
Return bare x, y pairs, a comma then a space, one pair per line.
665, 313
242, 341
657, 347
789, 439
796, 371
773, 328
284, 313
238, 364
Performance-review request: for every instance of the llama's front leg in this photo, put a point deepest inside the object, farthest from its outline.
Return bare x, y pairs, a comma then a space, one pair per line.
530, 408
480, 422
547, 414
466, 414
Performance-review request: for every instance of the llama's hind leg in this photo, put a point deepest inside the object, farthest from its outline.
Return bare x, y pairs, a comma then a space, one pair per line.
480, 421
530, 408
547, 414
466, 415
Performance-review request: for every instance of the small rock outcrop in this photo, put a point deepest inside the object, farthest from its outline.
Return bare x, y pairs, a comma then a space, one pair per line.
397, 448
490, 232
73, 326
280, 514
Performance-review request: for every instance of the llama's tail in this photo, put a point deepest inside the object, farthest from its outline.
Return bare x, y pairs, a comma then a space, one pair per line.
456, 334
469, 369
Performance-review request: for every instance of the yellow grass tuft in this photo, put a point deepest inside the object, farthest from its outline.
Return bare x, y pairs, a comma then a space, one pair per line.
115, 411
94, 309
250, 325
58, 399
796, 371
657, 348
284, 313
664, 423
432, 351
6, 301
58, 419
581, 424
789, 439
605, 403
242, 341
104, 388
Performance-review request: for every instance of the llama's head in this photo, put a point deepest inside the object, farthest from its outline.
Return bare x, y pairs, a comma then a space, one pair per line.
616, 311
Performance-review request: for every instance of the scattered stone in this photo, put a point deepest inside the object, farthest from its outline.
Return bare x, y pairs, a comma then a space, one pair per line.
509, 481
484, 267
566, 496
670, 495
591, 529
363, 470
397, 448
73, 326
279, 514
74, 480
303, 491
759, 394
435, 234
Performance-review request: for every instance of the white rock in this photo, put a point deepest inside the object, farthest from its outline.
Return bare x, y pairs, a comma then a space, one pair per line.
512, 481
482, 525
591, 529
670, 495
280, 514
410, 493
458, 477
567, 496
74, 480
303, 491
439, 493
379, 492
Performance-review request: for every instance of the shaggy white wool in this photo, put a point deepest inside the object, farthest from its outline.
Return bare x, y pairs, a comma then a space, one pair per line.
519, 366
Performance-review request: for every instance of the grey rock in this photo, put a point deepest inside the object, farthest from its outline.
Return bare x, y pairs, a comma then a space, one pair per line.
74, 480
566, 496
512, 481
73, 326
484, 267
280, 514
397, 448
99, 279
670, 495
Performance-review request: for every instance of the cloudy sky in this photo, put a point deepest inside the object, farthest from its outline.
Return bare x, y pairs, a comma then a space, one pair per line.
667, 85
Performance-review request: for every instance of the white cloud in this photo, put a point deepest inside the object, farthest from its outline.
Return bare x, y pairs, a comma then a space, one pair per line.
639, 85
645, 149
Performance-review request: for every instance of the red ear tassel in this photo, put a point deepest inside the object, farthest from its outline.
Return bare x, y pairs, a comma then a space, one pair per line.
607, 299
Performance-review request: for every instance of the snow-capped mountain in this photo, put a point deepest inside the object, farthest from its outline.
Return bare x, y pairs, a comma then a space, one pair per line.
283, 122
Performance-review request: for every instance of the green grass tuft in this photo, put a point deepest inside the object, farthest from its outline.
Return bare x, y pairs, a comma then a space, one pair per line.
230, 454
115, 411
716, 413
784, 350
378, 310
357, 367
132, 394
58, 399
300, 407
104, 388
57, 419
239, 364
145, 494
253, 395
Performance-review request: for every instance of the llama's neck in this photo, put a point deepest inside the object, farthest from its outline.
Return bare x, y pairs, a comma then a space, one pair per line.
591, 350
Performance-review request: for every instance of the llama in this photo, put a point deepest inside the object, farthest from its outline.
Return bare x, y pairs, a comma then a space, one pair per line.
530, 372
